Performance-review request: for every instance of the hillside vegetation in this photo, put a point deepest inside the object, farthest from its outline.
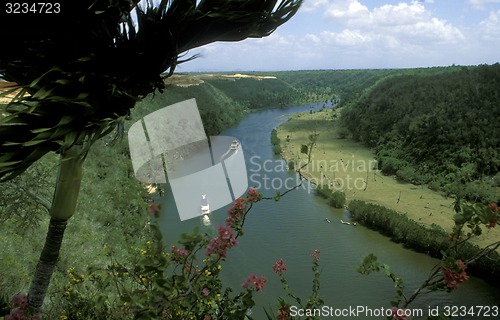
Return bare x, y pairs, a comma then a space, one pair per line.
439, 129
280, 89
224, 99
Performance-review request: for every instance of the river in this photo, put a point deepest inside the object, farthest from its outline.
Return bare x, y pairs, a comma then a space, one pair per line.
295, 226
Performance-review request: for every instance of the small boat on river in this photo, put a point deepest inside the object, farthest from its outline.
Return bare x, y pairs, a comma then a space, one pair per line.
205, 206
234, 145
347, 222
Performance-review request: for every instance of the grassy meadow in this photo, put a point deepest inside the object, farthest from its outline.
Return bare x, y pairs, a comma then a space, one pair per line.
349, 166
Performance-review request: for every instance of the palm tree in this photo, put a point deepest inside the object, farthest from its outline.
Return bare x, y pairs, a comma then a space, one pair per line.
80, 73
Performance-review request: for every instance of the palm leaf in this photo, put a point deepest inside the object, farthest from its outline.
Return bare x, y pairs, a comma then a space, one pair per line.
83, 79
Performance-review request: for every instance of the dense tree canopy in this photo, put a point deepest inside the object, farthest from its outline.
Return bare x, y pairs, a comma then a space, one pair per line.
433, 128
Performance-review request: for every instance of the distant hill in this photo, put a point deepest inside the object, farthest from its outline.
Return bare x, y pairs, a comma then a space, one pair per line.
224, 99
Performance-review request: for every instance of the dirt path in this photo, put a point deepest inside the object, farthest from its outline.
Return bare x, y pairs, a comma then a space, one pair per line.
348, 166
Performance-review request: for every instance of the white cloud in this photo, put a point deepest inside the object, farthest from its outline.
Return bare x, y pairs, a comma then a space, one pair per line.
490, 28
404, 33
400, 14
346, 38
435, 30
405, 22
481, 4
311, 5
313, 38
351, 11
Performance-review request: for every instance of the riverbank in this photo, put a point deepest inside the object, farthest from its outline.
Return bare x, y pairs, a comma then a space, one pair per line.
349, 166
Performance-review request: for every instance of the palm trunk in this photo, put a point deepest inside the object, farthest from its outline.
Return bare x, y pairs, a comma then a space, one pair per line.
46, 263
63, 207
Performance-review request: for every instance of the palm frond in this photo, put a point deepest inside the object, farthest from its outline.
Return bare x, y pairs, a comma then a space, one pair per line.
83, 79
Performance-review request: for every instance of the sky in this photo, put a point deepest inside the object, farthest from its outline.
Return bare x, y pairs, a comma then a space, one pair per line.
361, 34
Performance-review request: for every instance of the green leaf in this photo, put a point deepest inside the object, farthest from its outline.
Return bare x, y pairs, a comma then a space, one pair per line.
387, 270
40, 130
33, 143
459, 218
42, 94
468, 211
369, 265
304, 149
63, 81
277, 196
477, 231
9, 164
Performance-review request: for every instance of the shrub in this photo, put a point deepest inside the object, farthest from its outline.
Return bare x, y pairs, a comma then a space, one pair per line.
496, 180
274, 137
337, 199
478, 191
390, 165
409, 174
434, 185
304, 149
342, 132
275, 141
323, 191
277, 149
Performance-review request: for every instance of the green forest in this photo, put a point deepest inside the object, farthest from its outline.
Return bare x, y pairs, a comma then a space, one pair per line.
439, 129
224, 100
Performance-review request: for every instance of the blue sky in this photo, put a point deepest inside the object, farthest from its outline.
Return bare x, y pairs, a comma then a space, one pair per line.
356, 34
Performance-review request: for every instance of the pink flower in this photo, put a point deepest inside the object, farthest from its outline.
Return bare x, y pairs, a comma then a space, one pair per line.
315, 255
223, 242
257, 282
20, 301
238, 204
399, 314
253, 195
225, 233
236, 212
279, 267
179, 253
283, 313
205, 292
16, 314
455, 274
154, 209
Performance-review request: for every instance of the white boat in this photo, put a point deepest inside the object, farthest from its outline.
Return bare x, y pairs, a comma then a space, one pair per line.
347, 222
234, 145
205, 206
205, 219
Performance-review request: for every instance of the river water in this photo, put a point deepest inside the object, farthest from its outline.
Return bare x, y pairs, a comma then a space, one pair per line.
295, 226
